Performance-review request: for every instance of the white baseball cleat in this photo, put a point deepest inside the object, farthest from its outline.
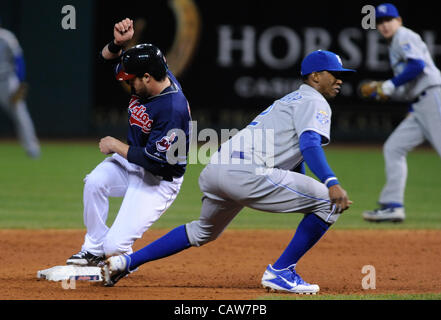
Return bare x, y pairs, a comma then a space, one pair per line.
386, 214
287, 280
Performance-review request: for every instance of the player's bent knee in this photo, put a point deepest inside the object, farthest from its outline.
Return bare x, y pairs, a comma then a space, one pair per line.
199, 235
112, 248
388, 147
391, 147
93, 185
326, 213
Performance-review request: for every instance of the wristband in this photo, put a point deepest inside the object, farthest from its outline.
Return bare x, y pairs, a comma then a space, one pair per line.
388, 87
113, 47
331, 181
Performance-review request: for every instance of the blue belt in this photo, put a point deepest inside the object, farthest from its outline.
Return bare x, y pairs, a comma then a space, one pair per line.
238, 154
422, 94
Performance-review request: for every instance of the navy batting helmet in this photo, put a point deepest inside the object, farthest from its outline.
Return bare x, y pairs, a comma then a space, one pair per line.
141, 59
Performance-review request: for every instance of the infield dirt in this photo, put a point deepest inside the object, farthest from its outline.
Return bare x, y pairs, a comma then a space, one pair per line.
230, 268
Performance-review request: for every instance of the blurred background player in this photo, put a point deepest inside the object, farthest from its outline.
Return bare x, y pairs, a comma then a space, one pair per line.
13, 89
418, 81
138, 171
267, 176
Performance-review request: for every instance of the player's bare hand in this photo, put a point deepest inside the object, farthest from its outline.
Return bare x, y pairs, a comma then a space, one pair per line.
339, 197
123, 31
109, 145
106, 145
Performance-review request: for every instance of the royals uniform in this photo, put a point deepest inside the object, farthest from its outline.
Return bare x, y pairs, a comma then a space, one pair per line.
423, 123
148, 182
253, 169
12, 72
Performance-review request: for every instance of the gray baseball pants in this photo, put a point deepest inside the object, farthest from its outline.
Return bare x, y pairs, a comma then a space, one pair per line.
229, 188
422, 124
19, 115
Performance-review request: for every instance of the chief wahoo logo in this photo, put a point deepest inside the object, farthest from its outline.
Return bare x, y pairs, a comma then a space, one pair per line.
164, 144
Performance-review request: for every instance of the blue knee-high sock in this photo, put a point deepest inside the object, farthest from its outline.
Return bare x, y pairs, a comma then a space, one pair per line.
309, 231
171, 243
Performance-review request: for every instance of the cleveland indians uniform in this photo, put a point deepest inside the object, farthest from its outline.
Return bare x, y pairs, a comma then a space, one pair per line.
148, 193
12, 73
423, 122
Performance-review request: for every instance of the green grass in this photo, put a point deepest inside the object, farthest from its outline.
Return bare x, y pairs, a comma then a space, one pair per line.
47, 192
426, 296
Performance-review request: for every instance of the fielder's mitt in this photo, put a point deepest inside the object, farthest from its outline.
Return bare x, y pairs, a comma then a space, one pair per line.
20, 93
373, 89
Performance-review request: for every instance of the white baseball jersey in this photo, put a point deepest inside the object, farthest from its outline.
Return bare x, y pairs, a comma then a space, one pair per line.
272, 138
405, 45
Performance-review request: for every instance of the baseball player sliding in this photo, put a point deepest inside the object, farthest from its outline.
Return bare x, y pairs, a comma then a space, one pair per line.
417, 80
13, 89
262, 167
138, 170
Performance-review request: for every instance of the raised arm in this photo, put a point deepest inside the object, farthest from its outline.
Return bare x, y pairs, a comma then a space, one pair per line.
123, 32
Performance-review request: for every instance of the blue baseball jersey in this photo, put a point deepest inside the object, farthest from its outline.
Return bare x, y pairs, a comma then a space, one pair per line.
155, 124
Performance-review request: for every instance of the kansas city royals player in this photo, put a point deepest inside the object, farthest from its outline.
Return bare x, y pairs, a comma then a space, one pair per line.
262, 168
417, 80
138, 170
12, 91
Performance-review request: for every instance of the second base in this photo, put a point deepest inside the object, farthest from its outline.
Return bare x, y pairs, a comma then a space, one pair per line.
59, 273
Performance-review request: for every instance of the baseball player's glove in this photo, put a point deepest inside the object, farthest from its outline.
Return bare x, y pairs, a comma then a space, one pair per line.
373, 89
20, 93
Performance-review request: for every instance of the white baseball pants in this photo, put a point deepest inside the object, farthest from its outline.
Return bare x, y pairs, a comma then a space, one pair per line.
146, 198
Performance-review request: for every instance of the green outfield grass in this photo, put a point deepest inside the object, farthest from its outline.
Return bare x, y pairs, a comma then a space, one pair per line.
428, 296
47, 192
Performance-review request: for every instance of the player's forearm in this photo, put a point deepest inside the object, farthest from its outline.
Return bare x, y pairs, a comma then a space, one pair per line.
316, 161
110, 145
121, 148
111, 51
314, 156
413, 69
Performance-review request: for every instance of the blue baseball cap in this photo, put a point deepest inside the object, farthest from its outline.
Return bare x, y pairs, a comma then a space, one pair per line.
322, 60
386, 10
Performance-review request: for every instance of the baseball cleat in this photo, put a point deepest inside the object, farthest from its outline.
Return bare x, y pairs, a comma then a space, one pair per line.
84, 258
385, 214
287, 280
114, 269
